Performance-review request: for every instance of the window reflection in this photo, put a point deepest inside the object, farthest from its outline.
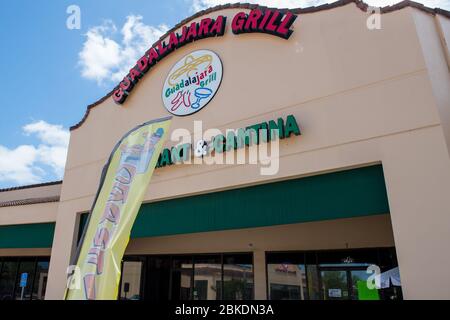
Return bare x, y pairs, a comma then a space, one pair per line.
312, 277
359, 287
287, 281
40, 280
334, 284
10, 274
27, 267
157, 279
329, 275
181, 278
131, 280
7, 280
238, 277
207, 274
199, 277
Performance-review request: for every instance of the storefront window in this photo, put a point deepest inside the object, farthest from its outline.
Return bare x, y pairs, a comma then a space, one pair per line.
157, 278
40, 280
359, 288
196, 277
334, 284
207, 273
28, 267
238, 277
10, 274
288, 281
386, 263
329, 275
131, 280
182, 275
8, 279
312, 276
286, 276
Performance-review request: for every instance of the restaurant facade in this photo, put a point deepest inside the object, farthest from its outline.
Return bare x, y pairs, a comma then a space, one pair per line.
355, 105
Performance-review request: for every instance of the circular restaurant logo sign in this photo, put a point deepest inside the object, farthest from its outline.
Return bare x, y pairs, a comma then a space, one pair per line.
192, 82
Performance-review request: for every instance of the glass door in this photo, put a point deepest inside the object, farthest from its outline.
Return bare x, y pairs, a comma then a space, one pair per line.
207, 277
181, 278
335, 284
157, 277
40, 279
360, 290
8, 277
25, 266
131, 282
346, 283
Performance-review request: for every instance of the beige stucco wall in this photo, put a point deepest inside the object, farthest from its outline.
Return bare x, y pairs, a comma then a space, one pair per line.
360, 97
30, 193
33, 213
433, 35
443, 26
364, 232
25, 252
29, 213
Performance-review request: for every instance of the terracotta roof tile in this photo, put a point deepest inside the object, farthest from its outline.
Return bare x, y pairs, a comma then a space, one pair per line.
23, 202
44, 184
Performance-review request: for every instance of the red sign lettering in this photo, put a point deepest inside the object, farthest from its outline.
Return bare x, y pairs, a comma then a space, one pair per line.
275, 22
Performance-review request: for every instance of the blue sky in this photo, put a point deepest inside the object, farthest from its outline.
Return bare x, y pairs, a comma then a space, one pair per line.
49, 74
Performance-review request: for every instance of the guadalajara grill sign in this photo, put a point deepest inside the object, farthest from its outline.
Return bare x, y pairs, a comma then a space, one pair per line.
274, 22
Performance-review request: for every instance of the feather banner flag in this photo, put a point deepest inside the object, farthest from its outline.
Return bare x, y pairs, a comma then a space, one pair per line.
123, 183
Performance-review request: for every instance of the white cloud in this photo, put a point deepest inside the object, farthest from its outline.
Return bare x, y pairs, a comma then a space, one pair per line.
198, 5
444, 4
16, 165
28, 163
104, 59
108, 54
50, 134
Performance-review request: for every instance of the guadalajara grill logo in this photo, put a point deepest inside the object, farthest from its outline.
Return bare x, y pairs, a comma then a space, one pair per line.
192, 82
270, 21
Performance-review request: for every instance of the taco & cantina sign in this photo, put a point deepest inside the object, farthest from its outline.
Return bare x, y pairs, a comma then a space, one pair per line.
237, 139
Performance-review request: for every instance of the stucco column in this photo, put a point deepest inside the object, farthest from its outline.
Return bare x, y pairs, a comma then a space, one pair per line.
64, 244
259, 263
417, 173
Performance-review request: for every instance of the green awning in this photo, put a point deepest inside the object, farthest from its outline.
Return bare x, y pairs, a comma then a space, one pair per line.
35, 235
345, 194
